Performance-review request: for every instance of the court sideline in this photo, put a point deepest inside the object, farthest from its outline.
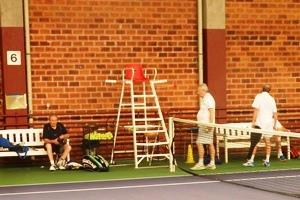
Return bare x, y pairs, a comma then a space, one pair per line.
188, 187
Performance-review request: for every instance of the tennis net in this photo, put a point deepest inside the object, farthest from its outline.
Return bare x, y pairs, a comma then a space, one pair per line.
232, 144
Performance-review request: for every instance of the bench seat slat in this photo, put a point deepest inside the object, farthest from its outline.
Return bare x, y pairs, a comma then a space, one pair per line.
31, 152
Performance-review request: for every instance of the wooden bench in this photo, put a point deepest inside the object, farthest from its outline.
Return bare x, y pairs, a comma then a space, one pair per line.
31, 138
230, 138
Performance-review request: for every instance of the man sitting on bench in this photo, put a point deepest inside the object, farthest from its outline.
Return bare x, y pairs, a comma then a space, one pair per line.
55, 137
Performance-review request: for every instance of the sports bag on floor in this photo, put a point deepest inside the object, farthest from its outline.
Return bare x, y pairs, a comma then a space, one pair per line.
95, 163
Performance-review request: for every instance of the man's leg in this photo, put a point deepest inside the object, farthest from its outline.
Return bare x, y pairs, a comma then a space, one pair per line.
200, 139
254, 140
268, 151
48, 148
278, 147
253, 153
67, 149
200, 164
212, 151
62, 160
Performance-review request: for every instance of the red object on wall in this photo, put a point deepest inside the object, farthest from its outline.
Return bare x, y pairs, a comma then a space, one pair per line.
215, 67
13, 76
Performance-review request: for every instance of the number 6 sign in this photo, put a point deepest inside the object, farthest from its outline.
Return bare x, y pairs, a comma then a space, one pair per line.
13, 57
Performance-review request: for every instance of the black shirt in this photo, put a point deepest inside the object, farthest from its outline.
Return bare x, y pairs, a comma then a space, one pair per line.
51, 134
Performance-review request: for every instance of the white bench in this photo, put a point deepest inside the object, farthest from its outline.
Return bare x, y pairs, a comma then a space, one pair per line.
31, 138
229, 138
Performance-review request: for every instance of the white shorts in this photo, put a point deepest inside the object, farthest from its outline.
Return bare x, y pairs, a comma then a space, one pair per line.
205, 136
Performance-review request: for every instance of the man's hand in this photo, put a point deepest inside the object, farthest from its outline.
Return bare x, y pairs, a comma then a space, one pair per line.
56, 141
62, 139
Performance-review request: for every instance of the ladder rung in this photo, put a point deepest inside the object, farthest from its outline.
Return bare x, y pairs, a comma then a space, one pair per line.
148, 126
129, 104
146, 107
127, 151
151, 131
154, 155
143, 95
124, 151
148, 119
143, 126
152, 144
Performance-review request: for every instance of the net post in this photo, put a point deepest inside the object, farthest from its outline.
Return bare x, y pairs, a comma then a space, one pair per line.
171, 136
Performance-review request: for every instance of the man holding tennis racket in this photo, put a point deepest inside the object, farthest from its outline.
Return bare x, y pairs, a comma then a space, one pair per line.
206, 114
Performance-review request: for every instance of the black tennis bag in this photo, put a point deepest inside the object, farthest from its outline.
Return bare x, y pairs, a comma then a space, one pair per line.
95, 163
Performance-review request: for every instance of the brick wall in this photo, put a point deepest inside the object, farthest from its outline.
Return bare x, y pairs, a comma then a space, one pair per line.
1, 88
76, 45
262, 46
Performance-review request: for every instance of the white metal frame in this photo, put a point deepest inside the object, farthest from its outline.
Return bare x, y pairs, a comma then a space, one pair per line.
146, 127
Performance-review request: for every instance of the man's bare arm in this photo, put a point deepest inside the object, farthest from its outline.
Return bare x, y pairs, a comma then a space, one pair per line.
254, 116
64, 136
211, 115
50, 141
275, 116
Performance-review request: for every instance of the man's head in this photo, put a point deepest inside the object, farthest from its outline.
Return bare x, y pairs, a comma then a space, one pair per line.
53, 120
266, 88
202, 89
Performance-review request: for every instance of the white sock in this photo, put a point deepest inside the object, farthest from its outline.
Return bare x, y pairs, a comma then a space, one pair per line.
252, 158
51, 162
200, 162
212, 162
267, 158
280, 153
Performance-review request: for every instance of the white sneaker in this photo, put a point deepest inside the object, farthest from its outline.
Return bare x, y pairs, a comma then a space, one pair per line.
61, 164
198, 167
211, 166
266, 164
52, 168
248, 164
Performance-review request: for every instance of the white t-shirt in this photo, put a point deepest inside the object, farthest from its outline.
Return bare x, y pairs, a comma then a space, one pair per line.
266, 106
207, 102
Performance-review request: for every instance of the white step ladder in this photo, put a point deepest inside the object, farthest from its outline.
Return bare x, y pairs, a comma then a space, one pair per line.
143, 104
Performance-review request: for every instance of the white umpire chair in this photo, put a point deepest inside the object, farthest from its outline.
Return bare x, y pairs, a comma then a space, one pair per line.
147, 118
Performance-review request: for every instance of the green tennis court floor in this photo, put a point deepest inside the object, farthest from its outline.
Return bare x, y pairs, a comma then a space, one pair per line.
38, 175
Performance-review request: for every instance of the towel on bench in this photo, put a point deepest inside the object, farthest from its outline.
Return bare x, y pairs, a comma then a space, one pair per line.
18, 148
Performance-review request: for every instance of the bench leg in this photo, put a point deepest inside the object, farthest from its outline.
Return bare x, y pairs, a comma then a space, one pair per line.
226, 154
288, 148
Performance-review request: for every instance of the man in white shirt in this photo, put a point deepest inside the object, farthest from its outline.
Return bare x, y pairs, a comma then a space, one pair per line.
206, 114
264, 117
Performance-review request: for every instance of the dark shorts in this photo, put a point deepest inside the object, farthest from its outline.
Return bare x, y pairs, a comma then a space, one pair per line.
57, 148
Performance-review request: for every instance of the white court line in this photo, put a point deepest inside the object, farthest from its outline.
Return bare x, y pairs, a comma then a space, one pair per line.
109, 188
92, 181
139, 178
146, 186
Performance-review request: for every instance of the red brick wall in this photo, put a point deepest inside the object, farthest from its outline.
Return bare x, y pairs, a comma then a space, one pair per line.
1, 86
76, 45
262, 46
